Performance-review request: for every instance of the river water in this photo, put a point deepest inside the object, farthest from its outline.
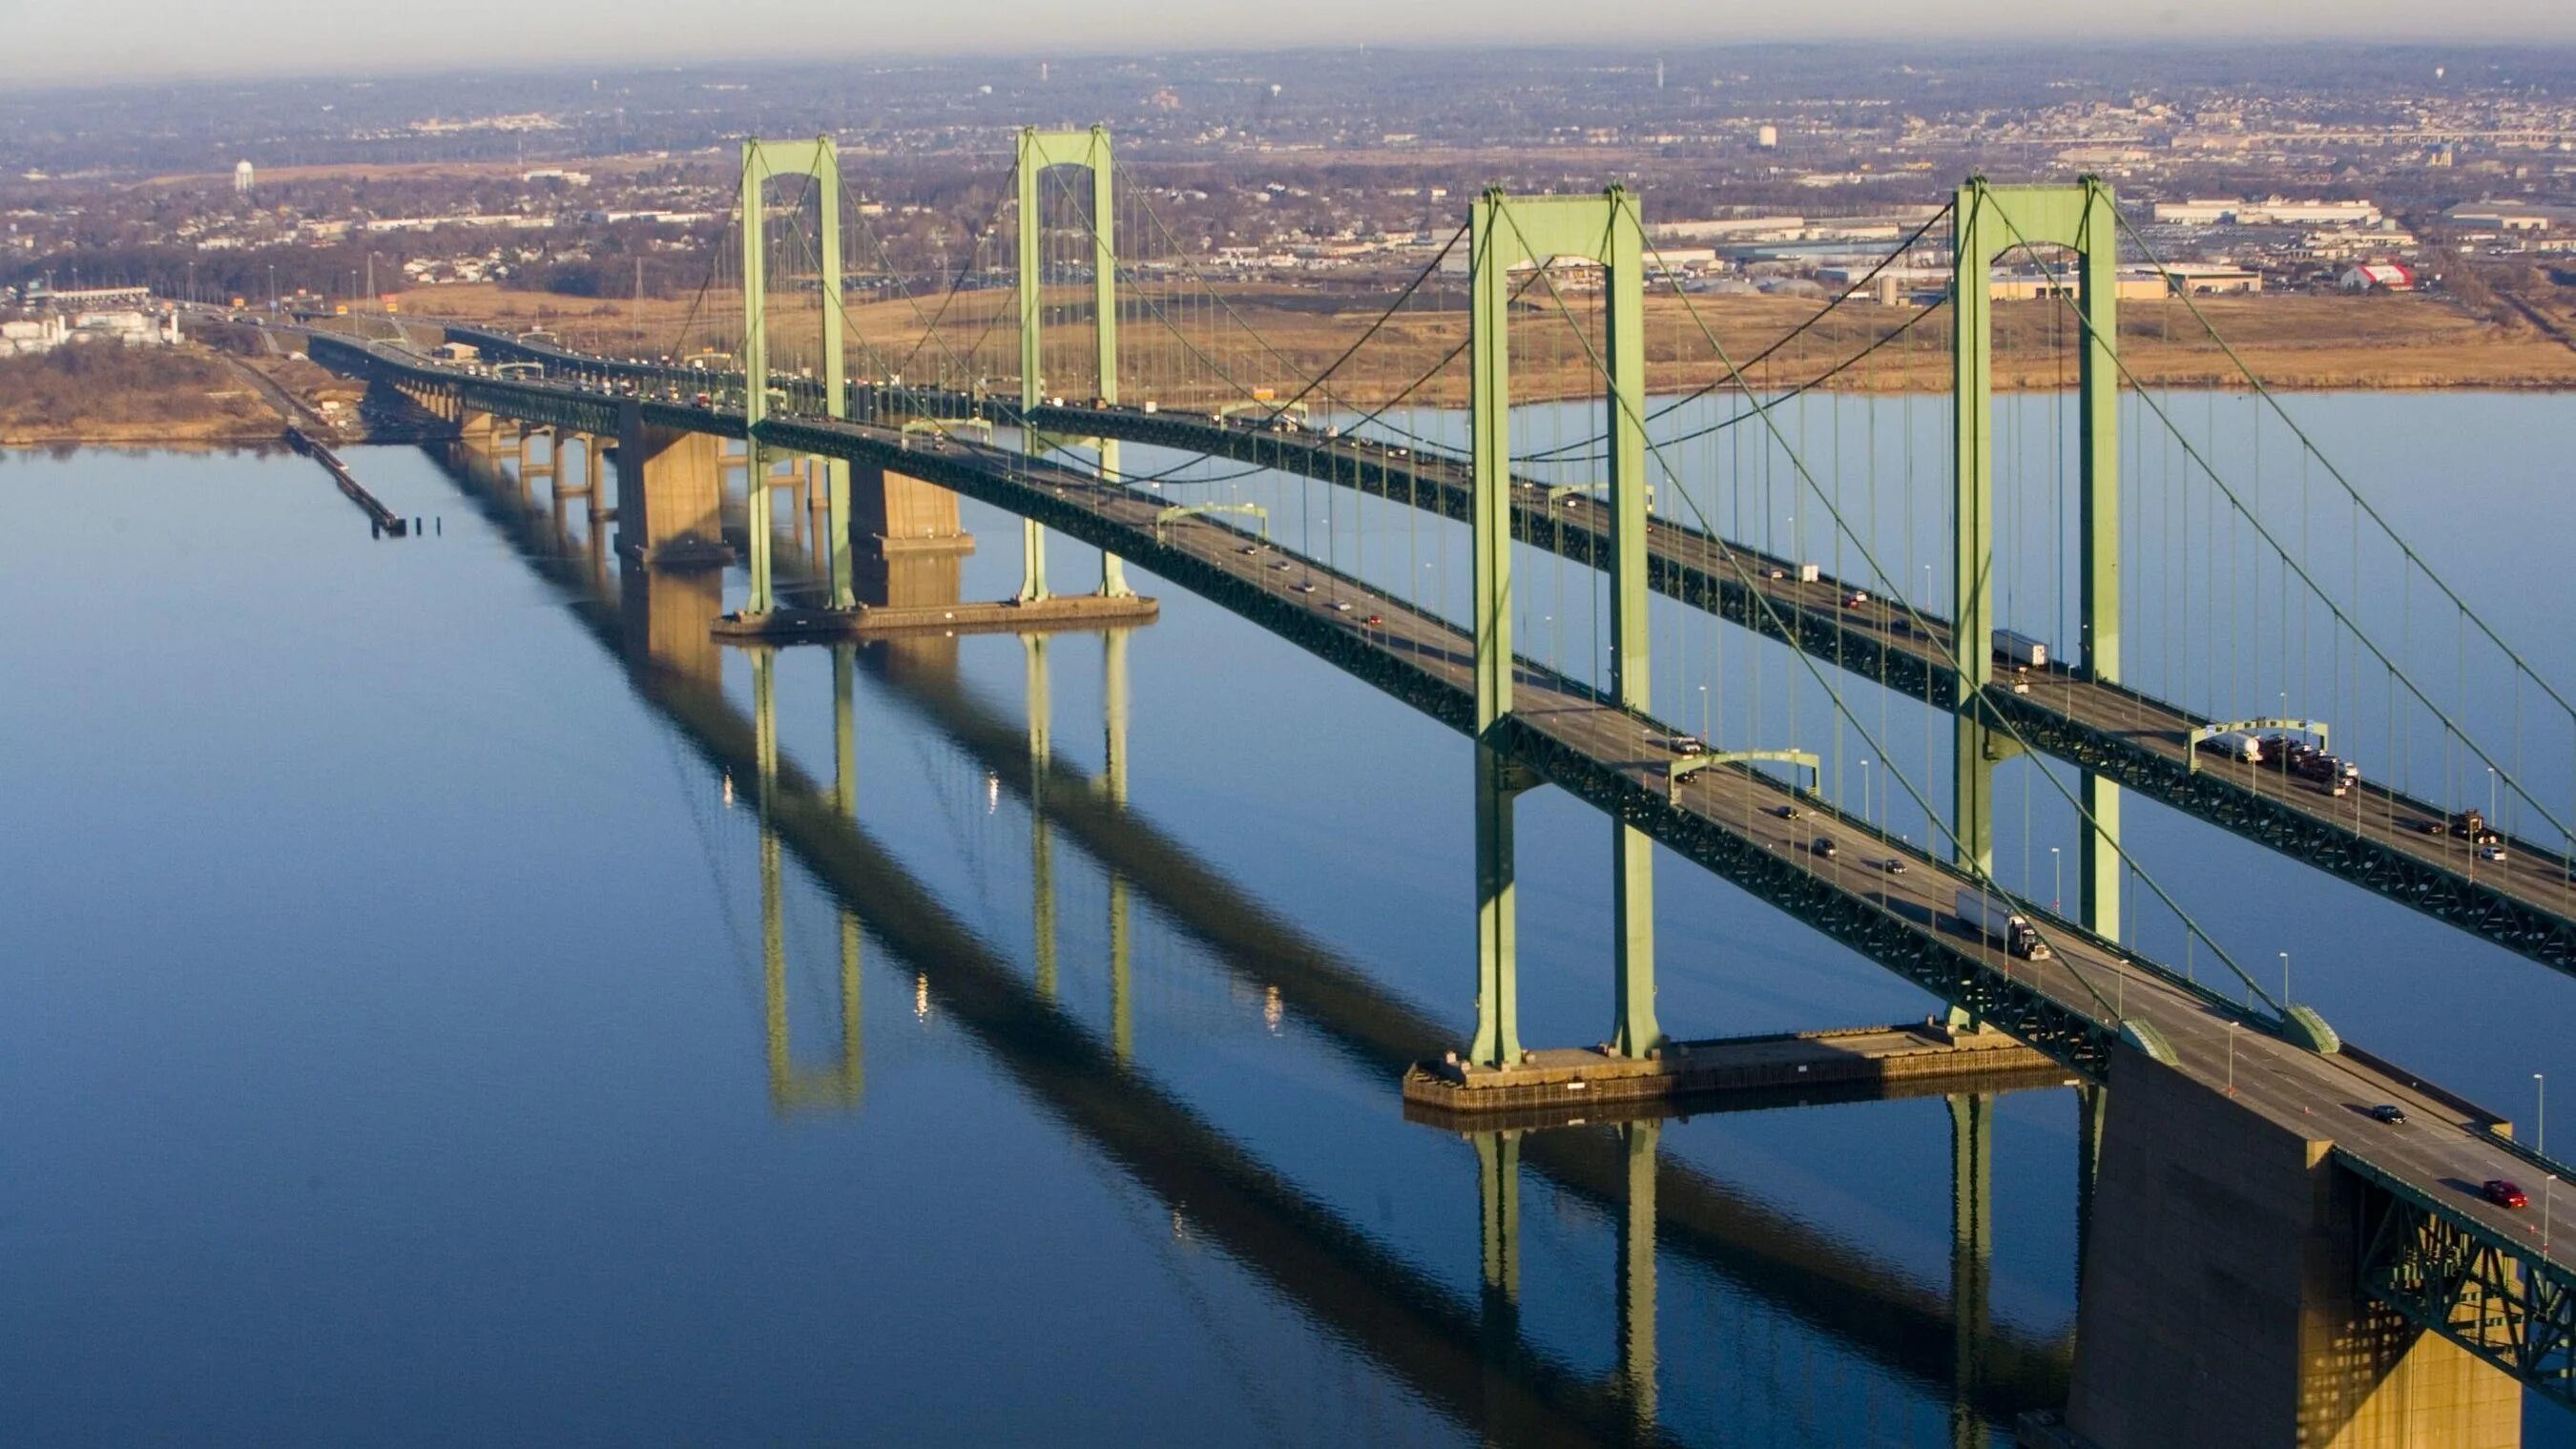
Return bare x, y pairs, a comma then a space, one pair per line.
411, 1033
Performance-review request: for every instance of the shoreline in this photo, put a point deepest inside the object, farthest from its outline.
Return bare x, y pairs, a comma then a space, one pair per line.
144, 437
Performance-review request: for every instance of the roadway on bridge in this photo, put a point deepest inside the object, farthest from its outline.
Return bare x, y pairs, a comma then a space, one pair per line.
2441, 1151
2540, 885
2442, 1154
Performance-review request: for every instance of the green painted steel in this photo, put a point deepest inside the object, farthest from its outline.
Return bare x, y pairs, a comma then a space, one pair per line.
1809, 760
1505, 232
755, 366
761, 161
2530, 1338
1090, 150
1498, 987
2456, 1277
1987, 220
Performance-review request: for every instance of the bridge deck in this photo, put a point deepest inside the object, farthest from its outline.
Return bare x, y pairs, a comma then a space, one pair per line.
2374, 836
1609, 754
2444, 1151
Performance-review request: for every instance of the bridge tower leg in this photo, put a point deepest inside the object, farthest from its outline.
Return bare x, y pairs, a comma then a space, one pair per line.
1986, 221
1091, 150
755, 389
1504, 232
594, 477
762, 160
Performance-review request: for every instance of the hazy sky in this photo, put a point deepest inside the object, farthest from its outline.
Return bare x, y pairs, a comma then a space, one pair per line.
60, 42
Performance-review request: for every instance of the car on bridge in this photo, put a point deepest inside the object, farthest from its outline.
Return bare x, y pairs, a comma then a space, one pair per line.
2390, 1113
2504, 1194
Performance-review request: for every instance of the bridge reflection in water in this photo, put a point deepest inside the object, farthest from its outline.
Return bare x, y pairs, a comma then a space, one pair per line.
1473, 1357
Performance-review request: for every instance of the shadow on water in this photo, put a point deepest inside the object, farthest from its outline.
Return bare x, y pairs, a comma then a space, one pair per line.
1469, 1358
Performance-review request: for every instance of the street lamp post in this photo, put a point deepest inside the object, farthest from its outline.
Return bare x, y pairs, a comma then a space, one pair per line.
2057, 883
2540, 1144
1703, 714
1866, 818
2285, 981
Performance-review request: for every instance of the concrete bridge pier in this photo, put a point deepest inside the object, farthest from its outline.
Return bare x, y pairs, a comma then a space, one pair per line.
478, 430
895, 514
529, 465
2221, 1302
670, 491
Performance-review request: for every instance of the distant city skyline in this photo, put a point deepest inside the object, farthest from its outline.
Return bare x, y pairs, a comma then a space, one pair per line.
172, 39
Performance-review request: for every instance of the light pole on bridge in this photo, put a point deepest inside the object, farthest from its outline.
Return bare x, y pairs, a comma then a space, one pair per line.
2285, 980
2057, 886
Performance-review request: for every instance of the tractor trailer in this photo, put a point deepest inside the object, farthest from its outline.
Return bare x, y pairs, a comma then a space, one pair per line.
1988, 917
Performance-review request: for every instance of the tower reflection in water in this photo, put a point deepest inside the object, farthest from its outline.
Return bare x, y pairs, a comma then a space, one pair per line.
1475, 1359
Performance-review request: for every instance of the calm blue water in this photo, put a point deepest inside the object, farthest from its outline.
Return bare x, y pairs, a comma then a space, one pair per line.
396, 1049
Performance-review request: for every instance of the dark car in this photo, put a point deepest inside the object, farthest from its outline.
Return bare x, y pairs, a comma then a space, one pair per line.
2504, 1194
1824, 846
2390, 1113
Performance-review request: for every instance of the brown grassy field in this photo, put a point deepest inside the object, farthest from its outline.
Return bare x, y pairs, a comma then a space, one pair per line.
2289, 341
102, 393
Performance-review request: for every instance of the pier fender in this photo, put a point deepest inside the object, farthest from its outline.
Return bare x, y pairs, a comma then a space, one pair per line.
2302, 1027
2147, 1039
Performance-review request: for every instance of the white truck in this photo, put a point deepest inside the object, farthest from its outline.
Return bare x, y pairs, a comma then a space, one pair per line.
2020, 650
2242, 745
1986, 916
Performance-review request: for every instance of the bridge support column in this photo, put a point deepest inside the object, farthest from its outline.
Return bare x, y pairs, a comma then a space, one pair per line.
1498, 968
1977, 749
1090, 150
2097, 858
1987, 220
1972, 1244
670, 490
1637, 1360
2221, 1298
900, 514
1504, 232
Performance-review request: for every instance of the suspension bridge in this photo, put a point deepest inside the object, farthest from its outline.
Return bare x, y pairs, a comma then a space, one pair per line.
2439, 1297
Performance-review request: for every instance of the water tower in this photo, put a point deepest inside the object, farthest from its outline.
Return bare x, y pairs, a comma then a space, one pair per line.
241, 178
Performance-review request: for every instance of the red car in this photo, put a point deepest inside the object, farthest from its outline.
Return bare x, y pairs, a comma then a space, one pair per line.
2505, 1194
